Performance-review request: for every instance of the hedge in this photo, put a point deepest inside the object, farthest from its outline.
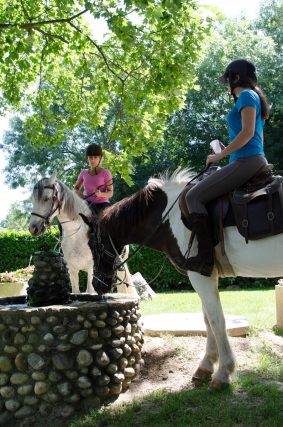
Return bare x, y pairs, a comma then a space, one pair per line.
16, 249
149, 262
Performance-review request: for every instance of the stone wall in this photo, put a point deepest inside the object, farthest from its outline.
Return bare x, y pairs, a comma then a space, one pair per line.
60, 358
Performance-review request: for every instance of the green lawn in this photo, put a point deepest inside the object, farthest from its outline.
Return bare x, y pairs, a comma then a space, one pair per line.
257, 306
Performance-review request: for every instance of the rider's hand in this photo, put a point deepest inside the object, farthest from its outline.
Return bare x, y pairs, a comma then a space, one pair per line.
98, 193
213, 158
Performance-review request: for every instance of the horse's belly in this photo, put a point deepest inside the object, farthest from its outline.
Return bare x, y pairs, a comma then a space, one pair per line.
79, 258
258, 258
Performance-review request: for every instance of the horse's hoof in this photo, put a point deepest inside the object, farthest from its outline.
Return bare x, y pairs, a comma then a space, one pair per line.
217, 385
201, 376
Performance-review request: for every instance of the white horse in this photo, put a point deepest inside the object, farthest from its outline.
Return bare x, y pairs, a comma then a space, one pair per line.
51, 198
152, 217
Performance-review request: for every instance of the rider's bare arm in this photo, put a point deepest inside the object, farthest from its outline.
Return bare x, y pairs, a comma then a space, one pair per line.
109, 191
248, 115
78, 187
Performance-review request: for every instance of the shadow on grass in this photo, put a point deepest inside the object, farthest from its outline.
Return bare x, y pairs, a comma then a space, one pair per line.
250, 402
278, 331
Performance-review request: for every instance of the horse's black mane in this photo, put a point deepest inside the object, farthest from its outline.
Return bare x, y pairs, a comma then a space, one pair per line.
133, 209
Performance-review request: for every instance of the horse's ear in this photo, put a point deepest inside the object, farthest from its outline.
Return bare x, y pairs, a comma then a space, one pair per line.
53, 178
39, 177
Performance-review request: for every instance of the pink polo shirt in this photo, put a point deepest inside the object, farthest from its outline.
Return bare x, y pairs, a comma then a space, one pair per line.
92, 182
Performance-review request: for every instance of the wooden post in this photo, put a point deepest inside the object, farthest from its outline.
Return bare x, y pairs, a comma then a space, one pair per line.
279, 305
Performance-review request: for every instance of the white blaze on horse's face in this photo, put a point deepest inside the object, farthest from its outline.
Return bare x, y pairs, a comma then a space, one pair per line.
43, 205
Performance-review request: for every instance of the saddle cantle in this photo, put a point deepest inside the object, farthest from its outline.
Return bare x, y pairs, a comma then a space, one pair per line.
256, 208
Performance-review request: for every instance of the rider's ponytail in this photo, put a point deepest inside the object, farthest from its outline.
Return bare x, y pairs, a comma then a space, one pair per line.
265, 107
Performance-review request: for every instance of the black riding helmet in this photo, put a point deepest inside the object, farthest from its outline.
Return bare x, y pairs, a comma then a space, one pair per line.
244, 69
94, 150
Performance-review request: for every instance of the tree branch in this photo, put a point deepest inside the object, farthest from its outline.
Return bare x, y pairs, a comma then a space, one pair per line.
25, 11
99, 50
32, 25
52, 36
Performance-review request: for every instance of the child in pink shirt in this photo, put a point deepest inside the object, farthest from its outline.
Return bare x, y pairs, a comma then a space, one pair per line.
96, 182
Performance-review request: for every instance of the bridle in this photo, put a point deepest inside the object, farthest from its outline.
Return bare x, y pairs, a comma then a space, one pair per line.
54, 206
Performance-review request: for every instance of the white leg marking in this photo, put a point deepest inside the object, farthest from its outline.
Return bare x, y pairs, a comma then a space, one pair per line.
207, 289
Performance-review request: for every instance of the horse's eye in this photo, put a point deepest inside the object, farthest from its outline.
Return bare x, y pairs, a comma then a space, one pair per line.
46, 199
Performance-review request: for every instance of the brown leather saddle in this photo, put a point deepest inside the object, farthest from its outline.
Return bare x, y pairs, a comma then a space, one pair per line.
256, 208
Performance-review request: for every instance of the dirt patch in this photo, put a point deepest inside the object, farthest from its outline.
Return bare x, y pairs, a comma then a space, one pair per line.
171, 361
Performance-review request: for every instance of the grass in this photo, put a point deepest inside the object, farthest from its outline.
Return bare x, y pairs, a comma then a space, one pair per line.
257, 306
250, 404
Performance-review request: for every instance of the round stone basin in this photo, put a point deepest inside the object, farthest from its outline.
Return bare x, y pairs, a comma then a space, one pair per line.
55, 359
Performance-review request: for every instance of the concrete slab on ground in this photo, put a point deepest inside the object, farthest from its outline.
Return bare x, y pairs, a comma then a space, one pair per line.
186, 324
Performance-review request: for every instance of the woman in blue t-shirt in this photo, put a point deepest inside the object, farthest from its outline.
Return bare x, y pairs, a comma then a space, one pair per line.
246, 157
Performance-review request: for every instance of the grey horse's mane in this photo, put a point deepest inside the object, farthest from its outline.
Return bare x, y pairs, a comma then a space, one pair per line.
72, 203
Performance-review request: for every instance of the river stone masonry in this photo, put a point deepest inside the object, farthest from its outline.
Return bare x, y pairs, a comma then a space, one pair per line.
58, 358
50, 283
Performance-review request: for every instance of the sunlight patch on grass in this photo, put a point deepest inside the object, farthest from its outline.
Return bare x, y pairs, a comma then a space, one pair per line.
257, 306
269, 363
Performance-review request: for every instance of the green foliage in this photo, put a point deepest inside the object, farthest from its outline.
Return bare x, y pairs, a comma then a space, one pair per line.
247, 282
17, 248
270, 20
204, 117
18, 216
189, 131
59, 76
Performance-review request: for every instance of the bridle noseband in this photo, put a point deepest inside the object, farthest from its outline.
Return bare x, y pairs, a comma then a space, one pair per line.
55, 198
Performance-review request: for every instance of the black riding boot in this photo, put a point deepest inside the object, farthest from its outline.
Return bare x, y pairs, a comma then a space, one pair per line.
203, 262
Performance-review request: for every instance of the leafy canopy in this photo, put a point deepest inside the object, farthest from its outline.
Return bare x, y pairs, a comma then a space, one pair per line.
59, 75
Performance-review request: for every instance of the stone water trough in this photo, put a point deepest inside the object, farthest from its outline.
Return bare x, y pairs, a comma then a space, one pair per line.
59, 358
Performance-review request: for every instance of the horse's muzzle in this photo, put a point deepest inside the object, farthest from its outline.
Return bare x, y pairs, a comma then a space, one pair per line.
37, 230
100, 286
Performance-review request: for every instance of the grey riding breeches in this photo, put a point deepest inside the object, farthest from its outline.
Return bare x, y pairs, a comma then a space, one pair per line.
222, 181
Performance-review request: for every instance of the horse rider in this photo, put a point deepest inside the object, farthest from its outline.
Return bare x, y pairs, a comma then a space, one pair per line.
246, 157
95, 181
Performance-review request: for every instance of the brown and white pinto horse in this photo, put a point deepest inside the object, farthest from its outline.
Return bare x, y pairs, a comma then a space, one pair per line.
138, 219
